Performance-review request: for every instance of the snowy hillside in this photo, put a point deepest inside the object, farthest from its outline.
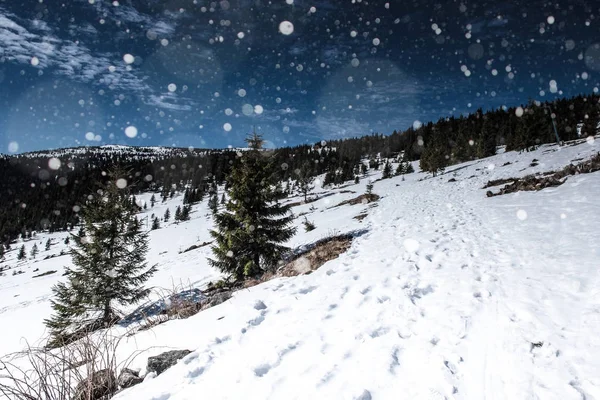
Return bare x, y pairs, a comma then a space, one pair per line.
448, 294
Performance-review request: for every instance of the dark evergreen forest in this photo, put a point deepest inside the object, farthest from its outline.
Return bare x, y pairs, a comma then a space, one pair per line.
46, 190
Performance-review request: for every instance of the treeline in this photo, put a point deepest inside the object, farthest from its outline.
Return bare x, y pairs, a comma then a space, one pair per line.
45, 191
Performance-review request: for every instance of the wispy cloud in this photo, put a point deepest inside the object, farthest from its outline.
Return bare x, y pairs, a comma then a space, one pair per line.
169, 101
36, 43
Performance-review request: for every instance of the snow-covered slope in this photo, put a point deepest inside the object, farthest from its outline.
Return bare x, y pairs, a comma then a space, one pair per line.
443, 297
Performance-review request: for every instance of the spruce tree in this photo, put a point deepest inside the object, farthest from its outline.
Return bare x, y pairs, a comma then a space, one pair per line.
387, 170
213, 203
251, 228
364, 169
109, 258
22, 254
305, 180
185, 213
34, 250
167, 215
369, 190
152, 200
155, 224
48, 244
590, 124
178, 213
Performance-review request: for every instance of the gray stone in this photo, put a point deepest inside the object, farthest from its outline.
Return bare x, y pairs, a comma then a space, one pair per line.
129, 378
98, 385
218, 298
163, 361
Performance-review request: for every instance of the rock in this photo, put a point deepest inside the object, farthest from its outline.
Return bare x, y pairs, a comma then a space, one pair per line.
451, 180
163, 361
489, 193
217, 299
129, 378
259, 305
98, 385
366, 395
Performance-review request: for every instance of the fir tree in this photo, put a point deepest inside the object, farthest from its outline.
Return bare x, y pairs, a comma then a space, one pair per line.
48, 244
251, 228
185, 213
305, 181
34, 250
400, 169
167, 215
223, 200
590, 124
364, 169
213, 203
109, 265
178, 213
155, 224
308, 226
434, 156
152, 200
369, 189
387, 170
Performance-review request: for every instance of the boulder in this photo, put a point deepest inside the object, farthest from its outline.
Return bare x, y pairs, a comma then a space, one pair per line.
98, 385
165, 360
129, 378
217, 298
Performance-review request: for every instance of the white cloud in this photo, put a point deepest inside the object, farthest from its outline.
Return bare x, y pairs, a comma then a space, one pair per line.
21, 40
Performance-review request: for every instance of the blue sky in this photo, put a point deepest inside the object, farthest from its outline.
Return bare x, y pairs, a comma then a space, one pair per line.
203, 74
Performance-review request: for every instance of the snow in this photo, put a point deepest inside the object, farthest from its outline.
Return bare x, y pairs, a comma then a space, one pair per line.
444, 296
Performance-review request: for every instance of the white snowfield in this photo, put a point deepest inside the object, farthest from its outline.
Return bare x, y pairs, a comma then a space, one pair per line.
447, 295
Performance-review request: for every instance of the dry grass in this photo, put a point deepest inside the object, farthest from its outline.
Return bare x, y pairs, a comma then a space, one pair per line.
360, 217
362, 199
82, 370
316, 255
196, 246
550, 179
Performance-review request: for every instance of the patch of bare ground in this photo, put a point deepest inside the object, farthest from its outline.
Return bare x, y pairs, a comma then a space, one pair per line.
360, 217
196, 246
549, 179
315, 255
362, 199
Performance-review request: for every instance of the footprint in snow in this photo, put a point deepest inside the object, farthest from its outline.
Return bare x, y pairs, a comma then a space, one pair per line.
307, 290
262, 370
258, 320
365, 290
365, 395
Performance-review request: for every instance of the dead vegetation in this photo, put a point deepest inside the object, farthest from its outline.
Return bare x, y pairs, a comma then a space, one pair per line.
550, 179
195, 246
82, 370
360, 217
44, 274
364, 198
315, 255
